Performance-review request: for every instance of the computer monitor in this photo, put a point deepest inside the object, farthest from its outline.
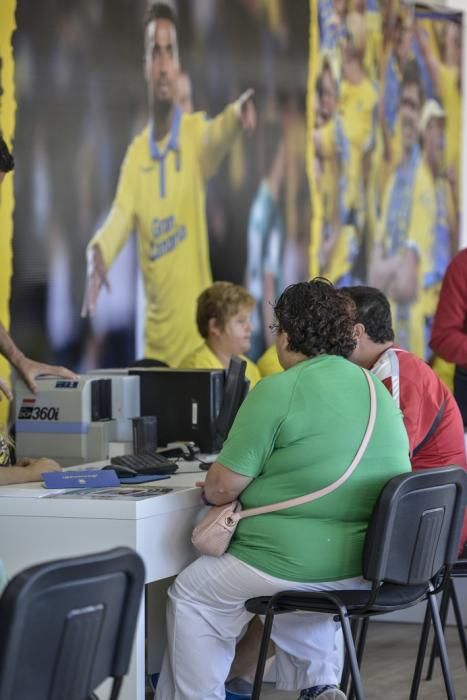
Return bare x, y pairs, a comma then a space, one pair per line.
235, 389
185, 401
196, 405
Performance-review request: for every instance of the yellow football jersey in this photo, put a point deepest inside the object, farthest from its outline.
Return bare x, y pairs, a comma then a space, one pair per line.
357, 107
204, 358
161, 194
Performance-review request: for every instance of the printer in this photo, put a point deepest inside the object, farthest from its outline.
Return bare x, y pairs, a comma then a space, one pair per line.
75, 421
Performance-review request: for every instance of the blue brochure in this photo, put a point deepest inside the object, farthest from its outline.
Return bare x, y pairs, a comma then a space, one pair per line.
88, 478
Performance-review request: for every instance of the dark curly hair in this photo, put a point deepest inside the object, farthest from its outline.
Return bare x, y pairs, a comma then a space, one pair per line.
317, 317
373, 311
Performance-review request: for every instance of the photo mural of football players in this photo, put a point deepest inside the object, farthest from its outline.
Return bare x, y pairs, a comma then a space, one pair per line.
89, 56
265, 236
161, 187
402, 254
384, 165
446, 75
350, 139
445, 238
328, 171
399, 54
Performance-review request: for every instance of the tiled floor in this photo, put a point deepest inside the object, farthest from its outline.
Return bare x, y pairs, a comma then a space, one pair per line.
388, 666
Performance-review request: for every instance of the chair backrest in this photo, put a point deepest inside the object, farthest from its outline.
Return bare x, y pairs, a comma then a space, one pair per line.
67, 625
415, 526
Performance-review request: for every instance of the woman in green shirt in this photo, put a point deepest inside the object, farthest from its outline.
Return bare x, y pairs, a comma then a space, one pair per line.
296, 432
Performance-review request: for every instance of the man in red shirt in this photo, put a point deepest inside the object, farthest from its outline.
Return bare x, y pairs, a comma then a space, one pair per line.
449, 334
431, 416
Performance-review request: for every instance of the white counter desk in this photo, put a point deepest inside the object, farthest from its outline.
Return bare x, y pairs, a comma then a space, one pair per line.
33, 530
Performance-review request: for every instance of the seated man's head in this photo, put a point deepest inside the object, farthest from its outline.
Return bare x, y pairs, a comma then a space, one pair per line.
223, 318
373, 327
313, 318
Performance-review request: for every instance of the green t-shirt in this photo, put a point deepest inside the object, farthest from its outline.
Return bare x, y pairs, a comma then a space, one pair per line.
295, 433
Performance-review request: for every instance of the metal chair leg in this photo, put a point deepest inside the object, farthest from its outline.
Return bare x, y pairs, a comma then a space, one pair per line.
443, 613
360, 649
441, 644
262, 657
459, 620
116, 688
417, 674
352, 657
355, 627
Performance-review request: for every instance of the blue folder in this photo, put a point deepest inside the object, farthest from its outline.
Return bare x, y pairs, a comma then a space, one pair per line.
86, 479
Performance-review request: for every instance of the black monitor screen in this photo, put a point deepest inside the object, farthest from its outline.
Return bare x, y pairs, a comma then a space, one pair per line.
185, 401
235, 390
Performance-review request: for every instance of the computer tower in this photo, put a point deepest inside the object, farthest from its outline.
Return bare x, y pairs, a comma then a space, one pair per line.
185, 401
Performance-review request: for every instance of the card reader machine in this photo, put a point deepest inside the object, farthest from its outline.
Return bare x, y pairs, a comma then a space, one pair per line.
73, 421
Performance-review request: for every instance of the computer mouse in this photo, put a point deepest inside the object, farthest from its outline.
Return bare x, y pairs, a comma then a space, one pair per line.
121, 470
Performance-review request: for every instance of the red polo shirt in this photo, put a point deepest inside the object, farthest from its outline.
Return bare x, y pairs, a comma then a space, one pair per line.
419, 393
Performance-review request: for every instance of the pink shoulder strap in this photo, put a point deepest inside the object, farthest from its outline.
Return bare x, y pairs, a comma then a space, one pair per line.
335, 485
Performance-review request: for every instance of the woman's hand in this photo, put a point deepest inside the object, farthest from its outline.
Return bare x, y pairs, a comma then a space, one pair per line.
29, 370
36, 467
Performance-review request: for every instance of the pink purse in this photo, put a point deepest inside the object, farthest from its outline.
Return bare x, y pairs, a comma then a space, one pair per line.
213, 533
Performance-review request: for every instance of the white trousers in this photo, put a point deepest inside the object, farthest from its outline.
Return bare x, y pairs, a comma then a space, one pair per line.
206, 615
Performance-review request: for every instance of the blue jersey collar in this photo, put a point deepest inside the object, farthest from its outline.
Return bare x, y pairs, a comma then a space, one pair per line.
172, 143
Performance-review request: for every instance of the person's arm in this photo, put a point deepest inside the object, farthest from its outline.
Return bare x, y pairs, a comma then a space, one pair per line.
431, 60
403, 287
222, 485
96, 277
407, 281
382, 268
449, 337
27, 470
28, 369
106, 244
250, 442
217, 135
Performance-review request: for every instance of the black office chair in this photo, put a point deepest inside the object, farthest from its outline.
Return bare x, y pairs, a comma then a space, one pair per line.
69, 624
410, 547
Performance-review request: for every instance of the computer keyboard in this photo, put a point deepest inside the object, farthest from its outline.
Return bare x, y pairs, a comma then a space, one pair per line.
146, 462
